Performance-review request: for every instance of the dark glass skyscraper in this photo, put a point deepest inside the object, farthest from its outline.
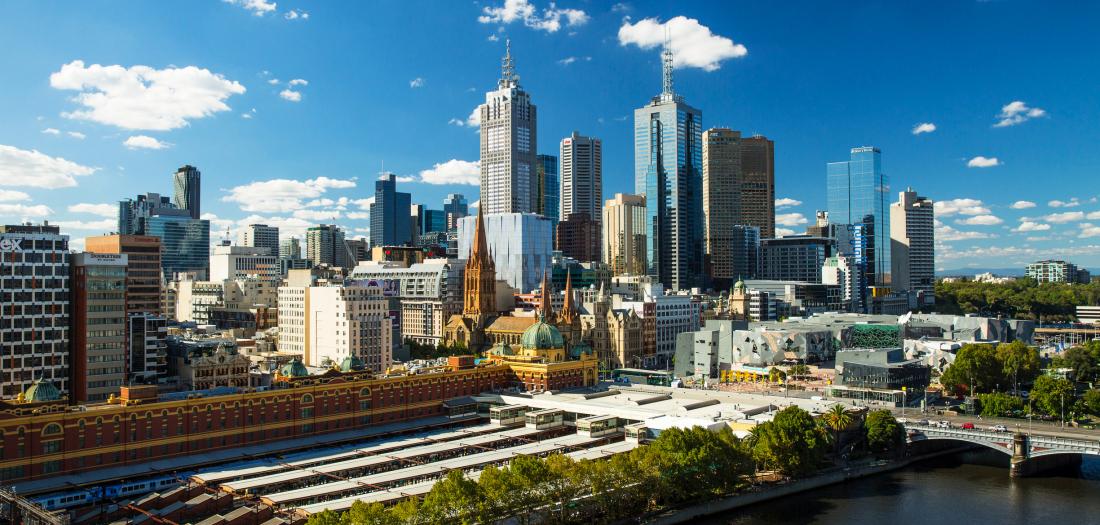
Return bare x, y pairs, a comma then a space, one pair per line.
549, 188
456, 208
858, 195
668, 159
186, 183
390, 218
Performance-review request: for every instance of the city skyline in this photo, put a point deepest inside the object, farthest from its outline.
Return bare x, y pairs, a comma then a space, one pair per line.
277, 139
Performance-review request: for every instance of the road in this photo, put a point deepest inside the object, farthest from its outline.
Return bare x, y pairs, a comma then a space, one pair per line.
1045, 428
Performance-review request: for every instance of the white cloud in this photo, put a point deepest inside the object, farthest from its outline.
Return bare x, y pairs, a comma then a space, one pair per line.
924, 127
76, 135
416, 83
783, 232
295, 14
141, 97
787, 202
693, 45
246, 115
1064, 217
217, 223
1093, 215
145, 142
12, 195
273, 81
960, 206
983, 162
102, 225
620, 8
1022, 205
1017, 112
406, 178
24, 211
298, 82
258, 7
51, 131
790, 219
1073, 202
104, 210
358, 215
523, 11
453, 171
1032, 226
981, 220
317, 215
282, 195
473, 121
37, 170
946, 233
293, 96
1088, 230
567, 60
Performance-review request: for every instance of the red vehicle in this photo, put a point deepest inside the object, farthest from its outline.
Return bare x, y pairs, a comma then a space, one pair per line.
968, 426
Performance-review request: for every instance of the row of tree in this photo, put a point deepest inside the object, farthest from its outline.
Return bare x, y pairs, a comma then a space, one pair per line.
1021, 298
680, 466
987, 368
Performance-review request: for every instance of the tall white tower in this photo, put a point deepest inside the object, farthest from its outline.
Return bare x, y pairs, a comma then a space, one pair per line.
508, 145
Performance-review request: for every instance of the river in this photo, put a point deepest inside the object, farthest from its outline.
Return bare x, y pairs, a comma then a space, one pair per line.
970, 487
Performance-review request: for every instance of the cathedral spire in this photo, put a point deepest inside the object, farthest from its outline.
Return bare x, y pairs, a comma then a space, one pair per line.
479, 248
568, 310
545, 306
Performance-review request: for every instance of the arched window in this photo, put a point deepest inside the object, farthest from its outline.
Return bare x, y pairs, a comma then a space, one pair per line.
306, 399
364, 392
51, 429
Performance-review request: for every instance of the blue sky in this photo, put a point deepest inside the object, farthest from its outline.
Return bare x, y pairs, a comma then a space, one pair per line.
103, 100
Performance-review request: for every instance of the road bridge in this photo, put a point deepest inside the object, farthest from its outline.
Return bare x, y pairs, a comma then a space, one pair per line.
1031, 452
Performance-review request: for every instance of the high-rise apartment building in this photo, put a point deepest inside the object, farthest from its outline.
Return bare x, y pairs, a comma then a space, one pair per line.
578, 236
240, 262
290, 248
758, 184
668, 157
34, 308
858, 194
325, 245
260, 236
348, 321
548, 201
455, 207
794, 258
132, 213
581, 176
430, 293
721, 201
390, 220
1052, 271
97, 365
143, 271
147, 348
624, 234
744, 243
508, 141
913, 244
186, 183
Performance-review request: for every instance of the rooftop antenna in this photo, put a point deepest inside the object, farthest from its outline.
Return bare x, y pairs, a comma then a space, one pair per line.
666, 59
508, 76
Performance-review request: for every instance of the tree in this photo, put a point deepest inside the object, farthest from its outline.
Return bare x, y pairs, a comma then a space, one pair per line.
884, 433
999, 404
454, 499
1052, 395
370, 514
1084, 360
564, 482
975, 368
1019, 362
1092, 401
837, 419
791, 442
327, 517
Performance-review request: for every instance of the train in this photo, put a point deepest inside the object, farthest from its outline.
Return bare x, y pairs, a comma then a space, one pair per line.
124, 489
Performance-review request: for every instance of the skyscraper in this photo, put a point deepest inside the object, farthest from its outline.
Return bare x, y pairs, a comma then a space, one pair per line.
186, 182
581, 176
143, 268
325, 245
668, 159
549, 183
758, 184
456, 208
912, 244
290, 248
624, 234
185, 240
508, 142
98, 359
721, 201
390, 220
260, 236
858, 193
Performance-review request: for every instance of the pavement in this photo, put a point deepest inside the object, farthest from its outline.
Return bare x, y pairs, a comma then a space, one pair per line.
1046, 428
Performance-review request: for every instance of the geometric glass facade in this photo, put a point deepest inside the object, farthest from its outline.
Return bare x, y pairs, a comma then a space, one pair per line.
185, 242
858, 194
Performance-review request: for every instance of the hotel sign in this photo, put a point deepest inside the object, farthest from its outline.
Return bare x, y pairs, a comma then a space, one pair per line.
11, 245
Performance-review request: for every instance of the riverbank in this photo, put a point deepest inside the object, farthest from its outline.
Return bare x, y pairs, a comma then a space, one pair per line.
772, 492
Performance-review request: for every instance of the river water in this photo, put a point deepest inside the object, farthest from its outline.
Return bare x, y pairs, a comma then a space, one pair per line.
970, 487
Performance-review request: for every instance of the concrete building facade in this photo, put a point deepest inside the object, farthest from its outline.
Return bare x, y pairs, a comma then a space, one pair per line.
913, 245
98, 332
624, 244
509, 123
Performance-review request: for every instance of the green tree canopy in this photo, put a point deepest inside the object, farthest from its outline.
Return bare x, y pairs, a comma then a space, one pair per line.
1051, 395
884, 433
791, 442
976, 368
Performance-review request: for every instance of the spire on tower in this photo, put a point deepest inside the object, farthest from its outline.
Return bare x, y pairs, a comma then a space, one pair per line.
568, 310
666, 59
508, 76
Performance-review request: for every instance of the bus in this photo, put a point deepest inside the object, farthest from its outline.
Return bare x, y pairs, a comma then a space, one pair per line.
642, 377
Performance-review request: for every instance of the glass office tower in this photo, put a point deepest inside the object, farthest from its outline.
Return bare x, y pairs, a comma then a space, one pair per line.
668, 160
858, 195
185, 242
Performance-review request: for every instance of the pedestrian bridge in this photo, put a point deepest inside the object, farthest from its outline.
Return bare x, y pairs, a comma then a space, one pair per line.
1030, 452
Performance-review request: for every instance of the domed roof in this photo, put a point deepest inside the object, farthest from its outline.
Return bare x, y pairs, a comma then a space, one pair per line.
542, 336
738, 286
351, 363
501, 349
579, 349
295, 368
41, 390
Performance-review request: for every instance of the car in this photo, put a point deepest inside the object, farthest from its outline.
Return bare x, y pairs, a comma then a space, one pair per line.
943, 424
902, 420
923, 422
999, 428
968, 426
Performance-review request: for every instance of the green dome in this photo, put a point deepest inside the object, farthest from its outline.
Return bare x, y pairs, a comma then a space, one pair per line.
351, 363
542, 336
42, 390
501, 349
739, 286
579, 349
294, 368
